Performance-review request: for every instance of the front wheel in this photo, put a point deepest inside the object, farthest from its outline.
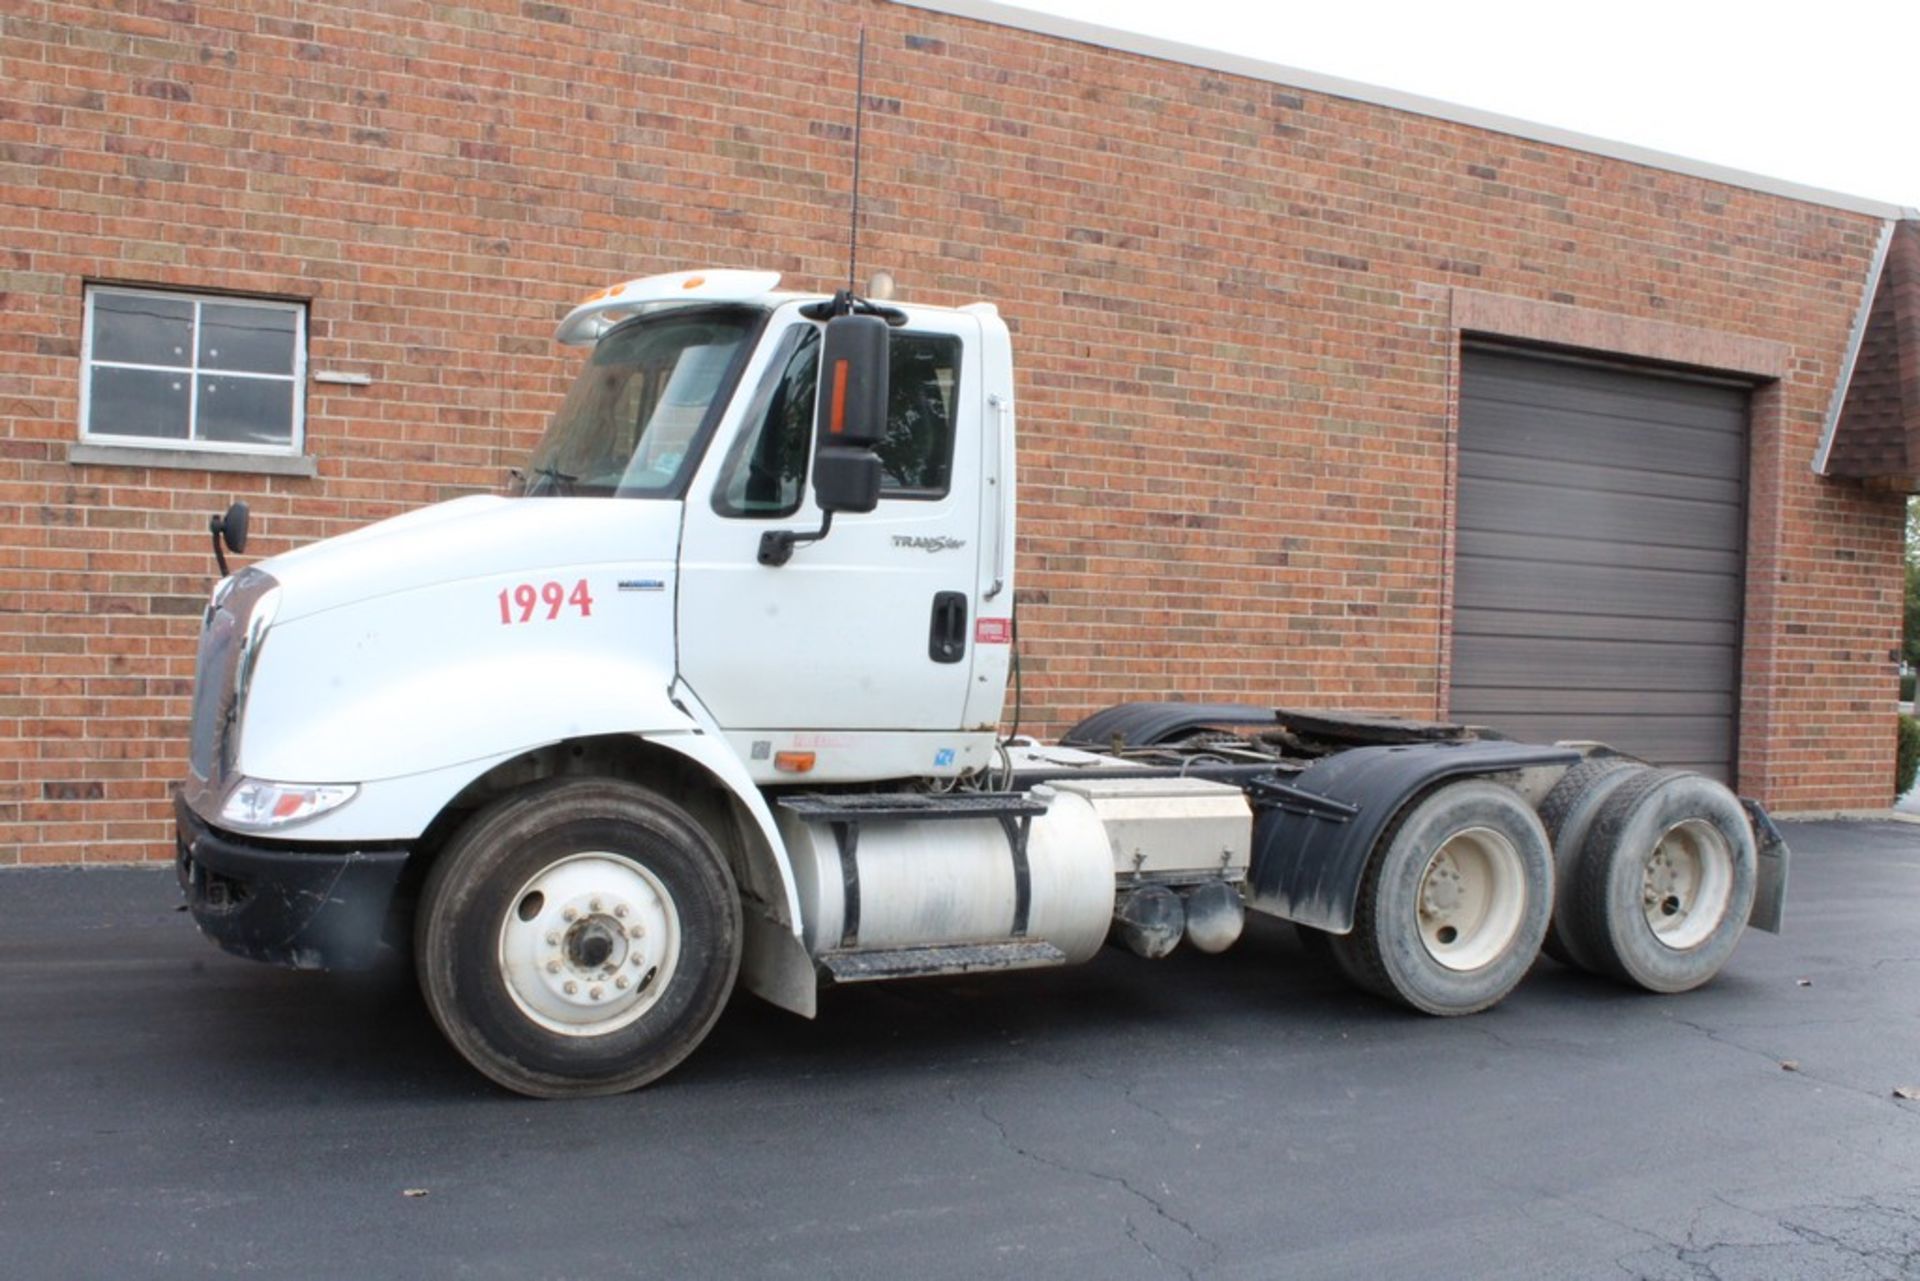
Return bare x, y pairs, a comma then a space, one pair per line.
1454, 903
580, 937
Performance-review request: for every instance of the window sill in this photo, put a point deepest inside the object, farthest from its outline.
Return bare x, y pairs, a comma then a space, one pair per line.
83, 454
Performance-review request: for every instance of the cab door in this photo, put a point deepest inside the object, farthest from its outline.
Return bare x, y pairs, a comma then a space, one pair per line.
871, 627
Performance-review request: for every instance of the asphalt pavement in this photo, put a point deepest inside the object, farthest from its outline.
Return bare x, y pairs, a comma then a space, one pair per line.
168, 1111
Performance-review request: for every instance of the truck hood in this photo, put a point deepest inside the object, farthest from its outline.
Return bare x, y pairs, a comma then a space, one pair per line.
479, 536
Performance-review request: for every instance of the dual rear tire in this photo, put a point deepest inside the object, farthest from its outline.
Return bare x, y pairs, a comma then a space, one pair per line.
1663, 881
1656, 872
1453, 904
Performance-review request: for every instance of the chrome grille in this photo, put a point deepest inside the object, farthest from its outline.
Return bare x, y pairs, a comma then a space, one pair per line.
210, 742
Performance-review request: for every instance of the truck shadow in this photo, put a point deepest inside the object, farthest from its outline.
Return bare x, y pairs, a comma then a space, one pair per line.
339, 1035
1109, 1005
310, 1037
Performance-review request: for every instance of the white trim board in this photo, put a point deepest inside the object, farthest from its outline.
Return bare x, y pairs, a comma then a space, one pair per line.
1823, 453
1047, 24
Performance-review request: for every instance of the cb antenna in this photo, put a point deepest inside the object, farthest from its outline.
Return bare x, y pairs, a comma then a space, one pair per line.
859, 108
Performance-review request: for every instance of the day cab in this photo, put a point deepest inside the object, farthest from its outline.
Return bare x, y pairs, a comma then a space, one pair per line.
716, 695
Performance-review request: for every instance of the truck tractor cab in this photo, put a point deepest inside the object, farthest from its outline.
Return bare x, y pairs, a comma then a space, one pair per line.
715, 693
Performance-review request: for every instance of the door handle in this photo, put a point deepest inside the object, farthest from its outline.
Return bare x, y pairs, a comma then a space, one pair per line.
947, 639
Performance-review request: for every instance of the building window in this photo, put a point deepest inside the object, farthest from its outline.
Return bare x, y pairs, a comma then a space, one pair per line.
192, 371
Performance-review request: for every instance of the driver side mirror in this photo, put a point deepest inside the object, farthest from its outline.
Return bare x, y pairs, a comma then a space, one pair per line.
850, 416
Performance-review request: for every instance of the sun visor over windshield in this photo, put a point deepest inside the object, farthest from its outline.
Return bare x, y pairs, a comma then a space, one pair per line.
602, 311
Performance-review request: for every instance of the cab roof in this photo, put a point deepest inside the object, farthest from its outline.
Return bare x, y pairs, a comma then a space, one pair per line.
599, 312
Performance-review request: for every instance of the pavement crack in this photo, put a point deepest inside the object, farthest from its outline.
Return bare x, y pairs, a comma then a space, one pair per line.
1153, 1203
1879, 1240
1719, 1038
1129, 1092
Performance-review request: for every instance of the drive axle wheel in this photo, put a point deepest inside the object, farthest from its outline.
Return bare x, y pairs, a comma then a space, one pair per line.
1665, 883
1568, 813
580, 937
1454, 902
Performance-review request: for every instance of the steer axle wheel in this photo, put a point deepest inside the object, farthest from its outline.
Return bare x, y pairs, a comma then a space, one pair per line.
1454, 902
591, 943
580, 937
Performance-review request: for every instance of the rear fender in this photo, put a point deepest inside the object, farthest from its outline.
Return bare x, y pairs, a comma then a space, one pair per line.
1313, 834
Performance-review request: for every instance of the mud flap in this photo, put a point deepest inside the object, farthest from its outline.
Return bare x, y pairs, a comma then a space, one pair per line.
1770, 890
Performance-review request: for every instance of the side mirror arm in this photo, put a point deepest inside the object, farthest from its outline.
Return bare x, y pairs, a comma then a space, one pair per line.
776, 545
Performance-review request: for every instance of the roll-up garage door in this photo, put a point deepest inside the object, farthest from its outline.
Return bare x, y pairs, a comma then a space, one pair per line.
1600, 554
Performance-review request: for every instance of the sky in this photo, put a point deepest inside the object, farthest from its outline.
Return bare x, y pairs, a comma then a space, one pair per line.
1821, 93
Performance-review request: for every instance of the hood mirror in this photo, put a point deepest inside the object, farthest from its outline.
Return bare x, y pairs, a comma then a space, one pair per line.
231, 530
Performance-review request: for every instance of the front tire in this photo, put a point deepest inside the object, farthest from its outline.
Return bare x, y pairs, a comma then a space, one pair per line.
1455, 903
580, 937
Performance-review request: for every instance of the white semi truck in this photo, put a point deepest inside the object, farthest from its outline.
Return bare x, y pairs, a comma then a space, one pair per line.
717, 697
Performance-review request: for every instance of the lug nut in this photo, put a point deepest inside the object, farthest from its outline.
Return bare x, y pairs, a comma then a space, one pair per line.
595, 905
639, 959
553, 967
621, 982
569, 915
621, 911
553, 940
594, 992
638, 931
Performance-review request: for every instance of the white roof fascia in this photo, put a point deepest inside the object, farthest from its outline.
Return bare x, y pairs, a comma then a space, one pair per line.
1047, 24
1854, 339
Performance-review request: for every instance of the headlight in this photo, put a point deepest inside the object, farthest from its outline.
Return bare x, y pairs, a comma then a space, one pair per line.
260, 806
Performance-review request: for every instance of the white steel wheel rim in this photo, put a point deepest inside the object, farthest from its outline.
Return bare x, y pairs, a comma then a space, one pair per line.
589, 944
1472, 900
1687, 883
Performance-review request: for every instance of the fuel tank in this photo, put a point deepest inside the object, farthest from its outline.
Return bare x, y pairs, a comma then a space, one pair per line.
894, 882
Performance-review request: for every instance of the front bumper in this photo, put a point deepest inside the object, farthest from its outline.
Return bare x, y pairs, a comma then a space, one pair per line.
311, 908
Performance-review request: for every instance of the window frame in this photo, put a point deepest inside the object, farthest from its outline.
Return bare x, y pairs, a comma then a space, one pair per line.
296, 444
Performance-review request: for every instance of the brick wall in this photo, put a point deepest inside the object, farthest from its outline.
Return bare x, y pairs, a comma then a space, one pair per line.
1230, 301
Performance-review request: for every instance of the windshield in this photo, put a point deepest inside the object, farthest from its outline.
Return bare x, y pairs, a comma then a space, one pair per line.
633, 421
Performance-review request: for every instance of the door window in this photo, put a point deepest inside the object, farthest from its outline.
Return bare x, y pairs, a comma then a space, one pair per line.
923, 386
767, 469
768, 465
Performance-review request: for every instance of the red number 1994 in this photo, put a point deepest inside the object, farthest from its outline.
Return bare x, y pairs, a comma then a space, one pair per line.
517, 604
